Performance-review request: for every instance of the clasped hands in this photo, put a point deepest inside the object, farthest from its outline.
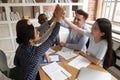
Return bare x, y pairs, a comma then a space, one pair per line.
59, 13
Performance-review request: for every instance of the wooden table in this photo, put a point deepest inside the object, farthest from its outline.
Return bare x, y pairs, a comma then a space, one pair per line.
70, 69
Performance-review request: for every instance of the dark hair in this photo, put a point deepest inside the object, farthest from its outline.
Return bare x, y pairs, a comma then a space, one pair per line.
81, 12
42, 18
106, 27
24, 31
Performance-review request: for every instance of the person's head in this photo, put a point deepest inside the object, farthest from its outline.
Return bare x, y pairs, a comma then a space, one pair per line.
80, 17
103, 28
42, 18
26, 33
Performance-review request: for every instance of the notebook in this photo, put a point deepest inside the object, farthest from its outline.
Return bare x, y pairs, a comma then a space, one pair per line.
91, 74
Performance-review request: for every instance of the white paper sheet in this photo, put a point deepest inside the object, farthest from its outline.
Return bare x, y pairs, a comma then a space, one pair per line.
50, 51
56, 72
64, 49
79, 62
67, 54
53, 58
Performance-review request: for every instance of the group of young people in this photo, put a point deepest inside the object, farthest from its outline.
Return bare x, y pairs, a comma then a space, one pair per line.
28, 57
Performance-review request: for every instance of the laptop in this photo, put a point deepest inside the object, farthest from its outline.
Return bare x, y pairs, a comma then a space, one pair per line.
91, 74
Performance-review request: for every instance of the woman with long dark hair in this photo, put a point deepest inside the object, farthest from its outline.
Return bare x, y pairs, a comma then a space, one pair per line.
100, 45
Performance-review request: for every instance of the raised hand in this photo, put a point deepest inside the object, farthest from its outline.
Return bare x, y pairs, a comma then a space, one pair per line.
58, 12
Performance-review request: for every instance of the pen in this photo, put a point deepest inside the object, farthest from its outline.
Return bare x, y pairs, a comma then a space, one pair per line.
65, 74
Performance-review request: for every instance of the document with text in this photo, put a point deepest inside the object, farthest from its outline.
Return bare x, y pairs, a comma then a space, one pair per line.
79, 62
67, 55
56, 72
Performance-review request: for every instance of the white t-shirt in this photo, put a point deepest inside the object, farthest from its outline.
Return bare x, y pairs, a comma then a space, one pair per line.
97, 50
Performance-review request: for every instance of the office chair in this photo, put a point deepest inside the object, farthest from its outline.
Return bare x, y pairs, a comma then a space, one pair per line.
113, 60
3, 64
116, 65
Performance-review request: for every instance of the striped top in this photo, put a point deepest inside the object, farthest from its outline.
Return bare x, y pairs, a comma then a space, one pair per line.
28, 58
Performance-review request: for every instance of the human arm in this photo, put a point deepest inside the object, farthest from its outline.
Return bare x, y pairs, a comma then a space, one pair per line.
47, 57
97, 51
55, 31
62, 44
48, 43
64, 24
51, 20
57, 12
73, 26
49, 25
90, 58
78, 44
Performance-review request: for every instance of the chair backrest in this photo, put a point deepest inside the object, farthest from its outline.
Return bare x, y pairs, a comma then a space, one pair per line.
114, 58
3, 63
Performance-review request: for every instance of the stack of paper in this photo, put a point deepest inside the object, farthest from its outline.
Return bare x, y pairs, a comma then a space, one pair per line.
56, 72
79, 62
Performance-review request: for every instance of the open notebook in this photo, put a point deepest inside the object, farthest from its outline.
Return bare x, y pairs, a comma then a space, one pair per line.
91, 74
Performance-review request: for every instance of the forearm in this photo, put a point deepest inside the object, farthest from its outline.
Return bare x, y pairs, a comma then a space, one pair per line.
63, 24
73, 26
90, 58
47, 33
50, 21
74, 46
48, 43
